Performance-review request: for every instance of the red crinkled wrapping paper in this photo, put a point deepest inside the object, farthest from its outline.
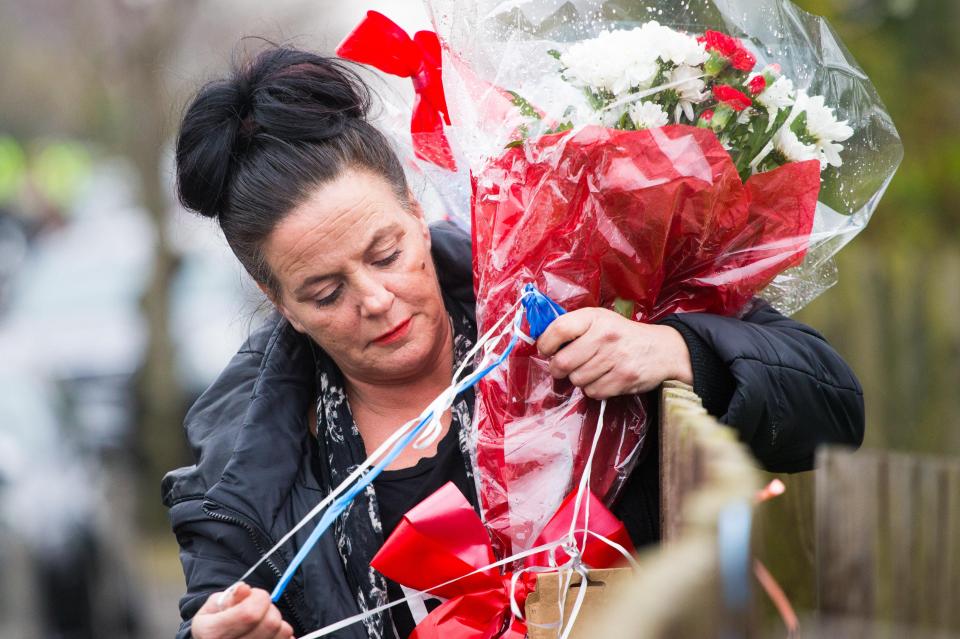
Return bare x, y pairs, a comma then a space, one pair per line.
657, 217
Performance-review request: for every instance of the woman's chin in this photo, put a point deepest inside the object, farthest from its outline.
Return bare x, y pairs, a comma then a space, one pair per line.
412, 359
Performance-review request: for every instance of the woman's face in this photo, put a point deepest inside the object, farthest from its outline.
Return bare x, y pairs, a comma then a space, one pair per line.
355, 274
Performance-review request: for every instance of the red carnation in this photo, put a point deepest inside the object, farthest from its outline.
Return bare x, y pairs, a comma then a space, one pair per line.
730, 48
707, 115
743, 60
736, 100
757, 85
720, 42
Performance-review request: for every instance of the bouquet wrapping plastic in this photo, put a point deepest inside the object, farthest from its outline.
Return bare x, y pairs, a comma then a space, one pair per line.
651, 158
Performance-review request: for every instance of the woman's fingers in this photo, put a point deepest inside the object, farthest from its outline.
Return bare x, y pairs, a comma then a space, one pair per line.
564, 329
268, 627
221, 600
573, 356
285, 632
236, 615
244, 618
610, 384
590, 371
607, 354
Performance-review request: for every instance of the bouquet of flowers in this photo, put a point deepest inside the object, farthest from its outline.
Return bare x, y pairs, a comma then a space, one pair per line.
650, 158
651, 76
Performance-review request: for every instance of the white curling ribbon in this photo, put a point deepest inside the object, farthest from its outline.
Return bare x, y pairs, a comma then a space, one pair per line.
431, 430
573, 564
571, 541
438, 406
568, 543
336, 492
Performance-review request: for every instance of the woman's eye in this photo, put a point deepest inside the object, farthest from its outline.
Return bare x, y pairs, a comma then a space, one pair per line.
387, 261
331, 298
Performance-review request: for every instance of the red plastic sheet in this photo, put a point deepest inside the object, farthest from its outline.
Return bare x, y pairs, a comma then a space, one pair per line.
657, 221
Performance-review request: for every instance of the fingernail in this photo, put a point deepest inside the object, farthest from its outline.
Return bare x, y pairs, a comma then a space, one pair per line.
227, 595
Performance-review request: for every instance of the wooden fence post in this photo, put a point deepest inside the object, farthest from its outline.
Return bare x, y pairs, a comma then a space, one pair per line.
888, 539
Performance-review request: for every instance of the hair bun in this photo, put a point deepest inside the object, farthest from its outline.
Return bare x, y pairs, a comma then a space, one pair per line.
282, 96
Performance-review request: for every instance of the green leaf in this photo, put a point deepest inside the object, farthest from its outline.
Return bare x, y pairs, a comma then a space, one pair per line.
624, 307
799, 127
560, 128
525, 107
595, 100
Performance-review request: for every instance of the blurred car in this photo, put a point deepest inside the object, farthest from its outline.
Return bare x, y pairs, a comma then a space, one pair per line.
73, 339
73, 583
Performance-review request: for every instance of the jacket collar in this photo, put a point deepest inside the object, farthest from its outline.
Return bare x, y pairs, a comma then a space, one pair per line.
272, 439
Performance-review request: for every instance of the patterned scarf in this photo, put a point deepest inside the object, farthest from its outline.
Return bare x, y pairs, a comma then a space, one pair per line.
358, 530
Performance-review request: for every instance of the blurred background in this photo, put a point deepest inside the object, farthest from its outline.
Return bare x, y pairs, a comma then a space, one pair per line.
117, 308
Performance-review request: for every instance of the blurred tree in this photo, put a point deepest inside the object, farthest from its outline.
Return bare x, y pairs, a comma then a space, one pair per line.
104, 59
909, 49
117, 72
13, 166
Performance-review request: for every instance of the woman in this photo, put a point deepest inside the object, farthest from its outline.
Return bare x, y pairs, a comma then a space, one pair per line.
375, 309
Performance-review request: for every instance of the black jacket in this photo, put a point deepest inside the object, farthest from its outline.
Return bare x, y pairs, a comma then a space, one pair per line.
777, 381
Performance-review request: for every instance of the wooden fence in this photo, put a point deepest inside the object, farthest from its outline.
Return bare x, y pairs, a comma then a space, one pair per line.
886, 557
888, 542
707, 478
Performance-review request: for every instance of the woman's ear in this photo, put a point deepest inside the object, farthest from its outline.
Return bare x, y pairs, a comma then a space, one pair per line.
278, 304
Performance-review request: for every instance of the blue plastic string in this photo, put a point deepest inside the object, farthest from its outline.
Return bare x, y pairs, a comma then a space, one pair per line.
540, 311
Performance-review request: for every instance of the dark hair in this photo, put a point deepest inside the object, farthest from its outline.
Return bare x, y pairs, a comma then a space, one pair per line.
254, 145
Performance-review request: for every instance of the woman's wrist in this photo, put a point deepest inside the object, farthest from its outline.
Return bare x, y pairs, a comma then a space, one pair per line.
679, 366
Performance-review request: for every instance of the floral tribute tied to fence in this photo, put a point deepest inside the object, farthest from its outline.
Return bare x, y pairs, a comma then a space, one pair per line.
647, 157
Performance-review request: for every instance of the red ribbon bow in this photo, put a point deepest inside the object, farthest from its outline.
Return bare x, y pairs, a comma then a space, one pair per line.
381, 43
443, 539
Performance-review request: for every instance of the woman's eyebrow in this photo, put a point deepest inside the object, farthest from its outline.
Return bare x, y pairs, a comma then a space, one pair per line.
382, 233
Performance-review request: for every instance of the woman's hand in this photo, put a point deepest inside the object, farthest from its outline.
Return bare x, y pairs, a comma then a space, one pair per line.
607, 354
243, 613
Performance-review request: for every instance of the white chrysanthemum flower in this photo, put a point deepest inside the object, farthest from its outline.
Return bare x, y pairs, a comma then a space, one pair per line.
608, 117
789, 145
621, 60
690, 89
778, 95
639, 75
673, 46
648, 115
822, 127
614, 61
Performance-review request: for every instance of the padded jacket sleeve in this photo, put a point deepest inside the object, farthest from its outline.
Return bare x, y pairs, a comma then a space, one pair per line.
214, 556
775, 380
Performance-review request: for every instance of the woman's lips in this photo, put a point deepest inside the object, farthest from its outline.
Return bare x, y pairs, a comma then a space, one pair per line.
394, 334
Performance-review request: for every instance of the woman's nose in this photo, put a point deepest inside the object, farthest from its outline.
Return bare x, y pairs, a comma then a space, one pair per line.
375, 297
